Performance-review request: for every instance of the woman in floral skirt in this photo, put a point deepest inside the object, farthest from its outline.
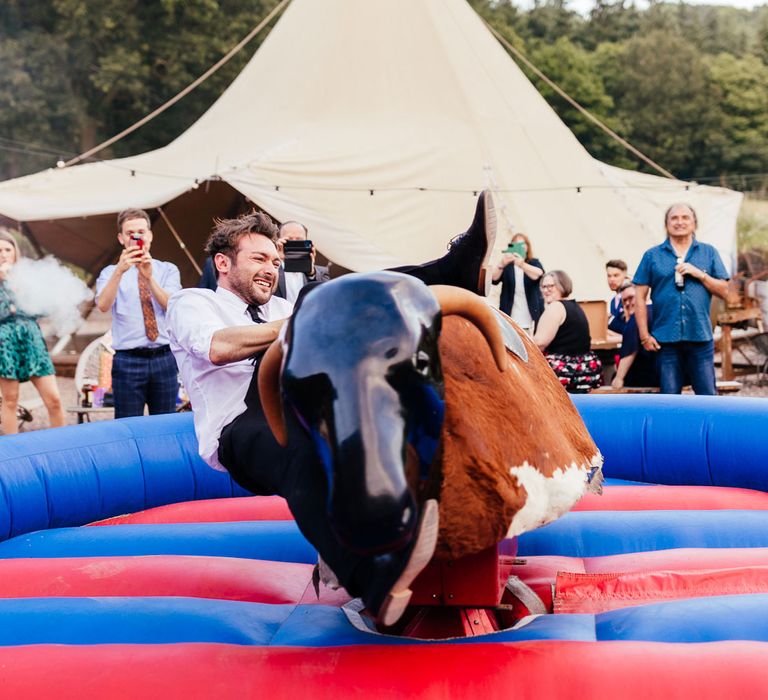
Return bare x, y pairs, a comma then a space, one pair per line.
23, 354
562, 334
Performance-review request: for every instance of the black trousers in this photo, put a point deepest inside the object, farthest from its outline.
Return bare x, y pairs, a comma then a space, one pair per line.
259, 464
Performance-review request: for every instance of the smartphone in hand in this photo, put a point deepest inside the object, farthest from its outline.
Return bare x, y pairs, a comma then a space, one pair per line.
516, 247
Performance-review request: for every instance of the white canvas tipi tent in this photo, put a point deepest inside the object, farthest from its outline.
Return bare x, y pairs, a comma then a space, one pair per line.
375, 122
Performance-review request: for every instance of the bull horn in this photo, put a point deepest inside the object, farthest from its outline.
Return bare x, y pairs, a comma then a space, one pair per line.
460, 302
269, 391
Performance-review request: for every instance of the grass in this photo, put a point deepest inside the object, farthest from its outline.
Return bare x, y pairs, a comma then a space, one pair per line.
752, 226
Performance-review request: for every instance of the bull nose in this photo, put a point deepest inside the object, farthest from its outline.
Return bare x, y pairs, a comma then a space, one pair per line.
371, 508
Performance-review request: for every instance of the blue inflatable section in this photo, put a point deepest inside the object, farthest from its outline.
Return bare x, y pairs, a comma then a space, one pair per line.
80, 474
71, 476
168, 620
268, 540
693, 440
601, 533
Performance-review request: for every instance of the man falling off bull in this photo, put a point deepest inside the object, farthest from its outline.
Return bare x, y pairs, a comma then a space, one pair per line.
215, 337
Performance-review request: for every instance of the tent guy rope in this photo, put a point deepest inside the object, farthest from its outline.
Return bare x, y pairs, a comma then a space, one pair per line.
576, 105
195, 83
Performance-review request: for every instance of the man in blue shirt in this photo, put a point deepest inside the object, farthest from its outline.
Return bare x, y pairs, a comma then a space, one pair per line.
136, 291
682, 274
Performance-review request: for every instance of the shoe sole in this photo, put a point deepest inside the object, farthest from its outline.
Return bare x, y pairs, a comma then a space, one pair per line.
489, 215
397, 599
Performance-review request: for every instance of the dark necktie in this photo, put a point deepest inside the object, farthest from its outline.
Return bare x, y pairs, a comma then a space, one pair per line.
253, 312
147, 310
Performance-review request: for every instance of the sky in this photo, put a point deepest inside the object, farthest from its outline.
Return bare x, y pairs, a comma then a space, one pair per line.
583, 6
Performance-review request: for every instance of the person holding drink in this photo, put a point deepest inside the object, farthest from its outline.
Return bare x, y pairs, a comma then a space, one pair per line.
519, 274
681, 274
23, 353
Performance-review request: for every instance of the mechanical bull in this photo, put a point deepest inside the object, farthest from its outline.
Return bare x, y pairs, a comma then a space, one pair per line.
412, 393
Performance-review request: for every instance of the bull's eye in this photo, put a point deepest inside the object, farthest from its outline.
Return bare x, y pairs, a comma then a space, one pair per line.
421, 362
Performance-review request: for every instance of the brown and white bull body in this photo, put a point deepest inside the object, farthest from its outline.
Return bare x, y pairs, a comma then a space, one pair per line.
379, 380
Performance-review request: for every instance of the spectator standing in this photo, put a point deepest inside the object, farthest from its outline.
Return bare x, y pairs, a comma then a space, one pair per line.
616, 275
289, 284
519, 275
681, 274
136, 291
637, 366
23, 354
562, 334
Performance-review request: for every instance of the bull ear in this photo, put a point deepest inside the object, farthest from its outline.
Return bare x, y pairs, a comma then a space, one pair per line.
269, 391
460, 302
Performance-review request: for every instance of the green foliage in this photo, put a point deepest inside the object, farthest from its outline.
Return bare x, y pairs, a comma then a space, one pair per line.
743, 85
76, 72
576, 72
752, 226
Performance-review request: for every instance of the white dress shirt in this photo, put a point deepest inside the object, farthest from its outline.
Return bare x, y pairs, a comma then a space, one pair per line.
520, 312
128, 330
294, 281
217, 392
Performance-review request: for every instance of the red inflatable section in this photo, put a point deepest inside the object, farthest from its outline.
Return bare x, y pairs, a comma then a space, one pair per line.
626, 670
589, 584
225, 578
674, 498
218, 510
596, 593
613, 498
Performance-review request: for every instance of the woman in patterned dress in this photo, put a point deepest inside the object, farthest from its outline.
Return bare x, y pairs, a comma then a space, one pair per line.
562, 334
23, 354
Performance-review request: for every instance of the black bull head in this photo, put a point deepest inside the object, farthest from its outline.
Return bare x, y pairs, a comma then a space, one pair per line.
358, 366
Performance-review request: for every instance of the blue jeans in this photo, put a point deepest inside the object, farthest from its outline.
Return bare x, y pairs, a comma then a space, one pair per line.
692, 361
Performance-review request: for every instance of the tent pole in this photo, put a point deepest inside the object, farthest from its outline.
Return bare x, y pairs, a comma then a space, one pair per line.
181, 243
31, 238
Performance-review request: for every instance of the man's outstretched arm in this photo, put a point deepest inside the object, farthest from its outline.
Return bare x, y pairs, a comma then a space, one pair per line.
241, 342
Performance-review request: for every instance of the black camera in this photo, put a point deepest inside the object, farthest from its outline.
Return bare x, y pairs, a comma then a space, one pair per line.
298, 256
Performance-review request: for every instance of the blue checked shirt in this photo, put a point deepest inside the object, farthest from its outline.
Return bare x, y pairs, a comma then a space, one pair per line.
679, 314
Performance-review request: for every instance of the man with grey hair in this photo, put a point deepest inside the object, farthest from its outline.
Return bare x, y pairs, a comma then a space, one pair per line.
682, 274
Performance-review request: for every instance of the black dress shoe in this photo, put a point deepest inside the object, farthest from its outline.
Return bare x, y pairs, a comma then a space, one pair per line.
389, 592
466, 262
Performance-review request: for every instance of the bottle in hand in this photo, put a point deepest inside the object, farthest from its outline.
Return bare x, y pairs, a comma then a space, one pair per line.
679, 276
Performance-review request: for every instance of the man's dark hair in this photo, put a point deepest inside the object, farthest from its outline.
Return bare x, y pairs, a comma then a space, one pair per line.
128, 214
618, 264
227, 233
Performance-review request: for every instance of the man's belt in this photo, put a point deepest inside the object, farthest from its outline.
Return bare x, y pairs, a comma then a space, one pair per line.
146, 352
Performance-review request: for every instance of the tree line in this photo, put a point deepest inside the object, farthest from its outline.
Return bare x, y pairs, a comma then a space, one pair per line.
685, 84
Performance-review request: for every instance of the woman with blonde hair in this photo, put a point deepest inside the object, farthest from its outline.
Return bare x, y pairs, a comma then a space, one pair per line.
23, 354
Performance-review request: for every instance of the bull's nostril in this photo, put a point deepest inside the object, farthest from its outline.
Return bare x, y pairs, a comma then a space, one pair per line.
390, 353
